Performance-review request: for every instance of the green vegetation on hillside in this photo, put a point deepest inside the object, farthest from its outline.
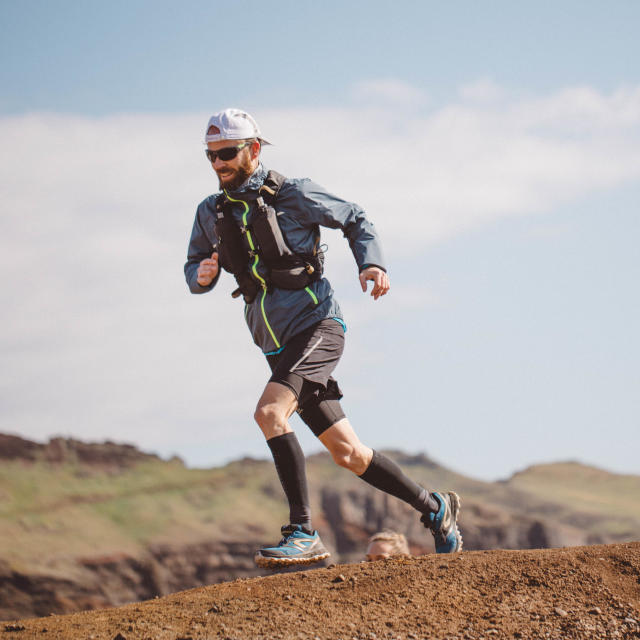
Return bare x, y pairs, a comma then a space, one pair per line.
611, 499
49, 510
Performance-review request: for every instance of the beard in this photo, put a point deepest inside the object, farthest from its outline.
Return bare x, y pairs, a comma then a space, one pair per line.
239, 176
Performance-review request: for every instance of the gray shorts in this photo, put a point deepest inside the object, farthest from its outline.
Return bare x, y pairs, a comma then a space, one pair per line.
305, 366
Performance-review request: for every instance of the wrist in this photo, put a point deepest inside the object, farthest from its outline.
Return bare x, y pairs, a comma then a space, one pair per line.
369, 266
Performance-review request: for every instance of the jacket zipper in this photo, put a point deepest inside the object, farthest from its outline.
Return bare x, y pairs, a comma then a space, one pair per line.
254, 269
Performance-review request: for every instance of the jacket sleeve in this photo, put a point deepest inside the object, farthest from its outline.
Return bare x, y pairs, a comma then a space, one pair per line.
327, 210
200, 247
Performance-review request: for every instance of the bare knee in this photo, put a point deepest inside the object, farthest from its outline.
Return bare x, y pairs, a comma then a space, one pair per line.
272, 420
353, 458
345, 447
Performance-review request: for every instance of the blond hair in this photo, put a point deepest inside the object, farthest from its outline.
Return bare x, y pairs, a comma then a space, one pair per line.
397, 541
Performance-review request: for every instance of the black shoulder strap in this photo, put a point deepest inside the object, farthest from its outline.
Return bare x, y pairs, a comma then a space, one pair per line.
271, 187
218, 202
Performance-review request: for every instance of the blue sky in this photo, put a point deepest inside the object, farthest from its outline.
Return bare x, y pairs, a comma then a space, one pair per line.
98, 58
496, 147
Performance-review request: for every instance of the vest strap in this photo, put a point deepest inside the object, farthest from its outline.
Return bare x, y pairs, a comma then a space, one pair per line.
287, 269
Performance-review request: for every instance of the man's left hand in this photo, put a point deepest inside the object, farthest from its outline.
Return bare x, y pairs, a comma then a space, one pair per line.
380, 281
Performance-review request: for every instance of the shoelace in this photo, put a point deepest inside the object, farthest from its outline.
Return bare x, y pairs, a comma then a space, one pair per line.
285, 539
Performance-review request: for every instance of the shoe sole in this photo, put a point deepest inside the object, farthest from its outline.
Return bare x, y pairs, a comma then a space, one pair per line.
273, 563
454, 501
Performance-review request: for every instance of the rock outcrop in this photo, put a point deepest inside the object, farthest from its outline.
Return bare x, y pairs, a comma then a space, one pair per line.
105, 455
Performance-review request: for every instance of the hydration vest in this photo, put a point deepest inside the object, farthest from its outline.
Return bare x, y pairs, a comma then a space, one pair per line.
241, 246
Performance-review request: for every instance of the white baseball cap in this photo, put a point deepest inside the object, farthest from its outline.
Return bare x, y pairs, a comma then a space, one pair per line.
232, 124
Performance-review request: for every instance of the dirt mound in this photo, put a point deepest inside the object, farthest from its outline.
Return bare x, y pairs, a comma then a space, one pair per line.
580, 592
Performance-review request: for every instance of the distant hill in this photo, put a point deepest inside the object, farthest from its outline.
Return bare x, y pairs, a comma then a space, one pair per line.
93, 525
611, 500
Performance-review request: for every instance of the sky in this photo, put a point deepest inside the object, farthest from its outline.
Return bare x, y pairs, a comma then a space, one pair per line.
496, 147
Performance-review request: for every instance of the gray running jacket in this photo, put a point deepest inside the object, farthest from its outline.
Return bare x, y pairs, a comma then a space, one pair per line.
276, 315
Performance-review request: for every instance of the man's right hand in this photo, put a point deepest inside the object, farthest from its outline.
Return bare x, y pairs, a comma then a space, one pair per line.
208, 270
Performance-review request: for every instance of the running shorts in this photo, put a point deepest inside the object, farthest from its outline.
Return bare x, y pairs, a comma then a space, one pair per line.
305, 366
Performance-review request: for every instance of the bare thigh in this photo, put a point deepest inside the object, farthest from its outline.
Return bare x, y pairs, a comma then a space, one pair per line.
274, 409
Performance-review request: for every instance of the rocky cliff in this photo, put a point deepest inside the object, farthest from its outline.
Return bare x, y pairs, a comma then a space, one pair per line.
104, 455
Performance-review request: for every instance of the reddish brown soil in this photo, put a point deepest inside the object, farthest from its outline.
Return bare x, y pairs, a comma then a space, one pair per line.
580, 592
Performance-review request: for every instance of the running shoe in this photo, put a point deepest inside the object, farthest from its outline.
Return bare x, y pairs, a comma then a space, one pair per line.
443, 524
296, 547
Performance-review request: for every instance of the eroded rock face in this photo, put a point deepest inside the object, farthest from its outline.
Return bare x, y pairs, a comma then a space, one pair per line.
104, 455
118, 579
353, 516
16, 448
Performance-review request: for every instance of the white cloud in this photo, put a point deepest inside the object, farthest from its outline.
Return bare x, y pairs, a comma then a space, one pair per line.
100, 336
483, 90
465, 164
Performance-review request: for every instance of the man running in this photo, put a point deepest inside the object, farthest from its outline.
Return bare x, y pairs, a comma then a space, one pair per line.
264, 229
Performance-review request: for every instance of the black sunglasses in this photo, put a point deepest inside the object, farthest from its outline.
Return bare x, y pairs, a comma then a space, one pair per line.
227, 153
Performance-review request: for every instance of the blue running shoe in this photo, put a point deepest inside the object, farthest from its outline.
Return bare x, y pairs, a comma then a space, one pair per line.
443, 524
296, 547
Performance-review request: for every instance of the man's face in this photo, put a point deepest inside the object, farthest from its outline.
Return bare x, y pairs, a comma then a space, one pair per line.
379, 549
233, 173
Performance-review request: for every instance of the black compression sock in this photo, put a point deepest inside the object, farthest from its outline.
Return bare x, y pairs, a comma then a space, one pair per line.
290, 465
384, 474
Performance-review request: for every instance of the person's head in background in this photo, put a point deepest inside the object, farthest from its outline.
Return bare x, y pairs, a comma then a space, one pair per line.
386, 544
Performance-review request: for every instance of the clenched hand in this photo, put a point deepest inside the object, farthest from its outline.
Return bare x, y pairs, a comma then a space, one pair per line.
380, 279
208, 270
